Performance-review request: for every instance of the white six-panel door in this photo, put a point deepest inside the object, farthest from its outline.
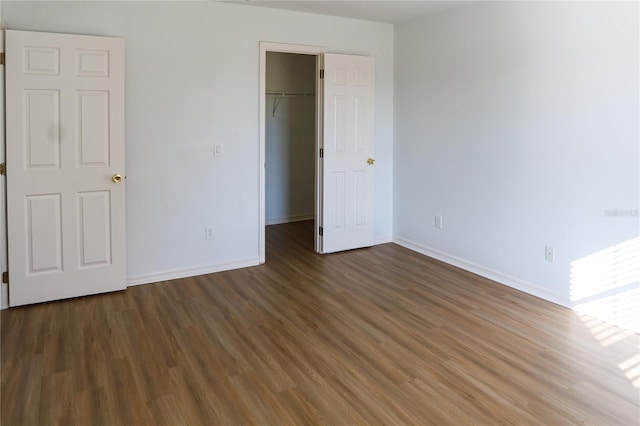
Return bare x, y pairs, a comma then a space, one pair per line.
348, 142
65, 149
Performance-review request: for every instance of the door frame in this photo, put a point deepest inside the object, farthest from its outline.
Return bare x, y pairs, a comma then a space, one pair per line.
4, 255
316, 51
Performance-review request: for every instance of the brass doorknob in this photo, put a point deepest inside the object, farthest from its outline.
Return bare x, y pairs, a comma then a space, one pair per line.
370, 161
116, 178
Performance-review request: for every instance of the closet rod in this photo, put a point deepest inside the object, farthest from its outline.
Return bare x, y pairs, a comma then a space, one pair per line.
279, 95
284, 94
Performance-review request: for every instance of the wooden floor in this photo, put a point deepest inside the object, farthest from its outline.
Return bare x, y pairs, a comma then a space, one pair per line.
373, 336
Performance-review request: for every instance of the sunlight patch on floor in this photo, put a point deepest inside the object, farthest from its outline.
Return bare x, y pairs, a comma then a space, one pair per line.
605, 291
631, 367
609, 334
606, 285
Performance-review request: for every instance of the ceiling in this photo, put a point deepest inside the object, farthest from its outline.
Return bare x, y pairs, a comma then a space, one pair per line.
389, 11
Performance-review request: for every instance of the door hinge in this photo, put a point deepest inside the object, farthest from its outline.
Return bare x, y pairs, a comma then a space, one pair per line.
5, 277
321, 153
3, 169
321, 231
321, 72
1, 58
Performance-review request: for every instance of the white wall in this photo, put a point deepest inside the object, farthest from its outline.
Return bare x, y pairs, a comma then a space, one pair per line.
290, 138
192, 77
518, 123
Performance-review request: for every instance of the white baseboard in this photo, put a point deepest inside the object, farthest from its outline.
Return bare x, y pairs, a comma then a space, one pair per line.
287, 219
485, 272
382, 240
190, 272
4, 296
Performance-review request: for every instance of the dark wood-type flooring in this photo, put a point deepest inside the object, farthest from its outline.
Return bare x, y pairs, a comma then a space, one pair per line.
373, 336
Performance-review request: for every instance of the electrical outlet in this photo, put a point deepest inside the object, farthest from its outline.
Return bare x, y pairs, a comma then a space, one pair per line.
438, 221
549, 253
208, 232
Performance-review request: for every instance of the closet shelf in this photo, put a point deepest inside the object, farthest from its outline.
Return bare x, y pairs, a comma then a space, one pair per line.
286, 94
277, 97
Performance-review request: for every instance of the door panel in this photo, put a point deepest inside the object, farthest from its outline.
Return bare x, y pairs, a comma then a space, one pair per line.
338, 191
93, 128
347, 218
65, 139
41, 60
44, 233
94, 223
42, 128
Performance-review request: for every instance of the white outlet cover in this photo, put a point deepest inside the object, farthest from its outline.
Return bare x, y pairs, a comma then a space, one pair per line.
218, 150
208, 232
549, 253
438, 221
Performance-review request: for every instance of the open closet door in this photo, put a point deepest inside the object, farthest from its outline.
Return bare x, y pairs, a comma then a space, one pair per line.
348, 143
65, 165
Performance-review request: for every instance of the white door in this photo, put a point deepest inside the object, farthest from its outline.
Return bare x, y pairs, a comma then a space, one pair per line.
348, 142
65, 151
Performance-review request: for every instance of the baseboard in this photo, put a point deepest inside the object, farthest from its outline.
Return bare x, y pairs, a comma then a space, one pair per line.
382, 240
287, 219
190, 272
485, 272
4, 296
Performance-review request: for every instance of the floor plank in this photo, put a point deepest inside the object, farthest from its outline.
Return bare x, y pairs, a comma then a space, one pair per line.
374, 336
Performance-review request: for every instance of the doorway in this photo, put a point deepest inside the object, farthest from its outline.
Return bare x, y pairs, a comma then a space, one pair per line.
311, 54
344, 143
290, 121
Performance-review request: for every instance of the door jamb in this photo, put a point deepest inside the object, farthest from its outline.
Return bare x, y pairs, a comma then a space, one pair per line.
300, 49
4, 259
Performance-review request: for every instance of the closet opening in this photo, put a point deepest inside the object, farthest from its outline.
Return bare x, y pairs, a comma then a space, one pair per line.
290, 117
